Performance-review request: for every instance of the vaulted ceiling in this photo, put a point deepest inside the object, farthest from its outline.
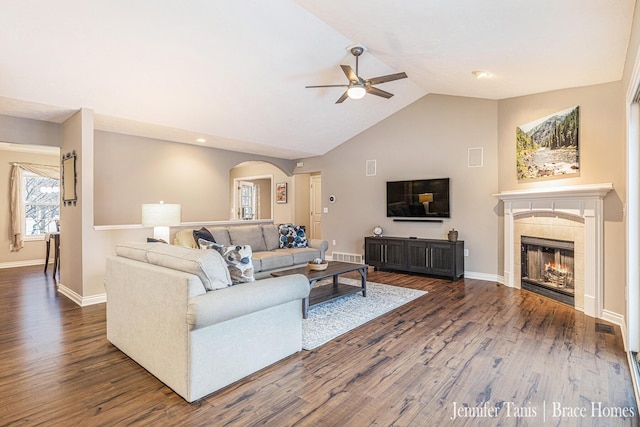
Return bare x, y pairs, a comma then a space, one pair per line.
233, 72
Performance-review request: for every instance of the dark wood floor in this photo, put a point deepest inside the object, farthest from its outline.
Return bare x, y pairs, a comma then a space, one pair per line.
474, 347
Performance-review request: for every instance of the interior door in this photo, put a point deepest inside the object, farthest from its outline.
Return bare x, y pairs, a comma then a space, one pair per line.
316, 206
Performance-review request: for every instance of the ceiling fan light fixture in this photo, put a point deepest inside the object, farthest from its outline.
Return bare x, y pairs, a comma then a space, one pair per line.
356, 92
481, 74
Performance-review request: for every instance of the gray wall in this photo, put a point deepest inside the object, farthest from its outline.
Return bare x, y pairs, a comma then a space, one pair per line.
428, 139
130, 171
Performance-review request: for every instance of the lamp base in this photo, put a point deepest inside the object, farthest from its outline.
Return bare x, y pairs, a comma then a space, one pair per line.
161, 233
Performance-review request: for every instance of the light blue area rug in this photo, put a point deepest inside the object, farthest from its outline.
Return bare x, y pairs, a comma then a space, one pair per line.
332, 319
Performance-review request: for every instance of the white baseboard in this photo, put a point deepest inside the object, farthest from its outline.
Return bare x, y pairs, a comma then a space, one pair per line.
79, 299
617, 319
482, 276
25, 263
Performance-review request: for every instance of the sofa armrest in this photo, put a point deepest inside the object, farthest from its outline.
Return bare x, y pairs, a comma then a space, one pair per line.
239, 300
322, 245
146, 316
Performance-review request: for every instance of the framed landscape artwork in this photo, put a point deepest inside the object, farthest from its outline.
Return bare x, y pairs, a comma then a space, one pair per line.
281, 192
548, 146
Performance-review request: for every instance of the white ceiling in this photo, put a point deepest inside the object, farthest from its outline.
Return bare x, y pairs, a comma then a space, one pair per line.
234, 71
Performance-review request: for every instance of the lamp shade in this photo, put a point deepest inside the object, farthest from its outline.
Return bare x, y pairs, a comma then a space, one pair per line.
425, 197
161, 215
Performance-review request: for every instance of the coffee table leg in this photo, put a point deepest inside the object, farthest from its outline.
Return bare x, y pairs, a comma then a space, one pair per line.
305, 301
363, 275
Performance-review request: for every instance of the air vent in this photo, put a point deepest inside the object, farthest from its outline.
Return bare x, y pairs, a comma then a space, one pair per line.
605, 329
345, 257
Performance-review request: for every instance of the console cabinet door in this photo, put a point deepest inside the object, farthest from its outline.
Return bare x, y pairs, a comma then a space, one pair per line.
383, 253
442, 259
418, 254
374, 252
395, 256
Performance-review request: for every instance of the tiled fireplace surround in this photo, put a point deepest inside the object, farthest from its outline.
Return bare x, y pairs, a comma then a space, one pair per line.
572, 213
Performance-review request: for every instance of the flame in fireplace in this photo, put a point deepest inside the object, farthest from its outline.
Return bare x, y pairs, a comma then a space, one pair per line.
556, 268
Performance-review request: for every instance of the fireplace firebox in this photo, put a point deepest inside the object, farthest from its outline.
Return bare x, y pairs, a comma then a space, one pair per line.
548, 268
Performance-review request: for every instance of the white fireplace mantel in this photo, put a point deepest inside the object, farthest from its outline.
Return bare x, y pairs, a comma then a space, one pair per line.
584, 201
569, 191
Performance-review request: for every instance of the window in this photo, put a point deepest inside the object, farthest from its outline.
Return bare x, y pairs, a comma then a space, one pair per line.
247, 200
41, 198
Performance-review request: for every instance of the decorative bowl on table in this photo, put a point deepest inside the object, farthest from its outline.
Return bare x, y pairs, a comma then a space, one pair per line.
318, 264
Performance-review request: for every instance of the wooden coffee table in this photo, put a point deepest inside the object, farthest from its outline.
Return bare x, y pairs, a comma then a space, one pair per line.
328, 292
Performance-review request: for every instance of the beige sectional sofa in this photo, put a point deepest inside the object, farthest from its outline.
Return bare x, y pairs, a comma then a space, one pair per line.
171, 309
264, 240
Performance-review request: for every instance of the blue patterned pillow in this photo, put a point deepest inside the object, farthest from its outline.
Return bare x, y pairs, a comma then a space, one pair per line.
293, 236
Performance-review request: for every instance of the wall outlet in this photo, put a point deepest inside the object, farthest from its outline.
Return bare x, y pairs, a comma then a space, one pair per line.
325, 210
466, 252
334, 243
10, 247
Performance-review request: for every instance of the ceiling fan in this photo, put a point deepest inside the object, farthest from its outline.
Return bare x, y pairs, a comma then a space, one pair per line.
358, 86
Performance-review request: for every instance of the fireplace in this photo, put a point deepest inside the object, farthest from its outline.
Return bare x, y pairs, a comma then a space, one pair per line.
547, 268
582, 205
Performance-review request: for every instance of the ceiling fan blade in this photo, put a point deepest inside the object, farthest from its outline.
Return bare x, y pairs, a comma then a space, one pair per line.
351, 75
375, 91
388, 78
342, 98
310, 87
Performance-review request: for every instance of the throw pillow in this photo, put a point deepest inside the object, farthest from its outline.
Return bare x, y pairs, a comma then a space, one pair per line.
239, 263
153, 240
207, 244
293, 236
203, 233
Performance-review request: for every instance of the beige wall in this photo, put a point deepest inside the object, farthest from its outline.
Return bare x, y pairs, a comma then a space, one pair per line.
33, 251
25, 132
602, 160
428, 139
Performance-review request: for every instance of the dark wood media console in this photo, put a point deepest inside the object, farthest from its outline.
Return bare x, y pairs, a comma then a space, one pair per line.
424, 256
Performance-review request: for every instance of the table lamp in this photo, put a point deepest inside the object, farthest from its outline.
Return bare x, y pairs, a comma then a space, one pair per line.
425, 198
161, 216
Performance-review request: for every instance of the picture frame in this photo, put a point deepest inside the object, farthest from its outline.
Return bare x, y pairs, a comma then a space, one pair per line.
69, 179
549, 147
281, 192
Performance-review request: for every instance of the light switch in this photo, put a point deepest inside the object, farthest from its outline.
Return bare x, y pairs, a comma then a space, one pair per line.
325, 210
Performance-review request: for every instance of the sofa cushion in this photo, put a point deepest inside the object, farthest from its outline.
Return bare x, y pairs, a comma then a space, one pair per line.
271, 234
301, 255
293, 236
221, 235
207, 265
270, 260
248, 235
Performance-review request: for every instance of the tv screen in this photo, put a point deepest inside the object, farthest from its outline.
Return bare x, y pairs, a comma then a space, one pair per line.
424, 198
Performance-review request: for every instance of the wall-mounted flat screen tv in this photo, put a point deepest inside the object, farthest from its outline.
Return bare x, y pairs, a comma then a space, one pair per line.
423, 198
